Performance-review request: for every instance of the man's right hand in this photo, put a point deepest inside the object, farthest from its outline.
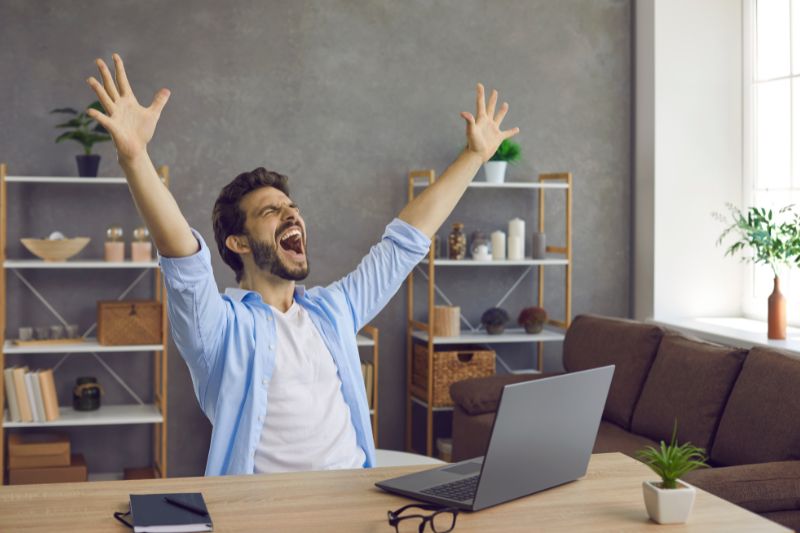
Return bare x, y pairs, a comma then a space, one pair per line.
130, 124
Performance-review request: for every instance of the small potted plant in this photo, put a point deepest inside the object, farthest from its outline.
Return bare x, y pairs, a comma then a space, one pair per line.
532, 319
774, 239
671, 501
86, 131
495, 168
495, 320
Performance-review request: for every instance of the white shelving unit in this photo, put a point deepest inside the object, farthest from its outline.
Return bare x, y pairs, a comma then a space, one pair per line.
141, 412
422, 333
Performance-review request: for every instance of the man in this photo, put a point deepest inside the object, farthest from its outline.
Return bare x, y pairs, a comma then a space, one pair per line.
275, 367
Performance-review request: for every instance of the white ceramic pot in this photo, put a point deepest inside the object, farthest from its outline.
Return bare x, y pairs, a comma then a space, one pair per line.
495, 171
668, 506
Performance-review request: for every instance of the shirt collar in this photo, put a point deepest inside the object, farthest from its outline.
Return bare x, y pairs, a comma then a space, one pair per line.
240, 294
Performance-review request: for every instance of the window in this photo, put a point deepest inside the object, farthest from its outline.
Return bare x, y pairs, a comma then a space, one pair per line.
771, 132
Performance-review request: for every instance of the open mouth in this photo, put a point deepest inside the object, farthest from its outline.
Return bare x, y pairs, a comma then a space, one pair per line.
292, 242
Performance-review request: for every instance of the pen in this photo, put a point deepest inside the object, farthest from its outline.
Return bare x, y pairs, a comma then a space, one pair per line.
186, 506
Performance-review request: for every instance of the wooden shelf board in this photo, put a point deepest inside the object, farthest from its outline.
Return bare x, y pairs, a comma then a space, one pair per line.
424, 404
507, 185
107, 415
505, 262
363, 340
90, 346
92, 263
64, 179
512, 335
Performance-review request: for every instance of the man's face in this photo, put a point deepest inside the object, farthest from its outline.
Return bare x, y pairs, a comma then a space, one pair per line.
276, 233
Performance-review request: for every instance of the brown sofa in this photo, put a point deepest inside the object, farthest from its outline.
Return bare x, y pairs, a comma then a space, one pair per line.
742, 406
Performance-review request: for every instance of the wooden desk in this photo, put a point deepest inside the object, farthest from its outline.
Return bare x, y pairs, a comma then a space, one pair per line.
609, 498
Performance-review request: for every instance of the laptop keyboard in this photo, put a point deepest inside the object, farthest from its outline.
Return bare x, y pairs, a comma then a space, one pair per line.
461, 490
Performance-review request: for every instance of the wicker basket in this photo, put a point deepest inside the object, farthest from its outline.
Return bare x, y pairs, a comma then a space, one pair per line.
124, 322
448, 367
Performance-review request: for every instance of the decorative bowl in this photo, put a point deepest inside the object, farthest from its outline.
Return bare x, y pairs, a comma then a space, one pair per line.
55, 249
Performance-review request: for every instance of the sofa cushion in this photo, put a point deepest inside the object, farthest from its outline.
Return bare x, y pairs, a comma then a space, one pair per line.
760, 421
482, 395
761, 488
470, 433
690, 381
612, 438
593, 341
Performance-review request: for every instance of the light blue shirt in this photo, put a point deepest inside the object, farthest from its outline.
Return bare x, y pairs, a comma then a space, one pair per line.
229, 340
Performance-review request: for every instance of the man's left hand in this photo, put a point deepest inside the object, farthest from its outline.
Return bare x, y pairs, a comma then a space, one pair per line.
483, 133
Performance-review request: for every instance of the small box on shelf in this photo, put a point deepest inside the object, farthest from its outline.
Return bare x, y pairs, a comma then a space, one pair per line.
448, 367
75, 471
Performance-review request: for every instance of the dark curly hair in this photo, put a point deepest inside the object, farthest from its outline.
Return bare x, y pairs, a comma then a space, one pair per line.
228, 218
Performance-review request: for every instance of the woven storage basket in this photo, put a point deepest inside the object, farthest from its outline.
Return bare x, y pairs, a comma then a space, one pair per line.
448, 367
123, 322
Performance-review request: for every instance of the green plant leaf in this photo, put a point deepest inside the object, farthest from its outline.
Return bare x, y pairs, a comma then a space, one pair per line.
72, 123
64, 110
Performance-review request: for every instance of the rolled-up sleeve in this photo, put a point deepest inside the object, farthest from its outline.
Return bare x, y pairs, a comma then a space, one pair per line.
382, 271
197, 312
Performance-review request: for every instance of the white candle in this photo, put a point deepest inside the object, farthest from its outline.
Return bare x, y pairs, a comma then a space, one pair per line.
515, 248
498, 245
516, 228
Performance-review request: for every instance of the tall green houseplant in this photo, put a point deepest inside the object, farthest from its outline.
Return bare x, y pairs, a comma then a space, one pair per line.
773, 237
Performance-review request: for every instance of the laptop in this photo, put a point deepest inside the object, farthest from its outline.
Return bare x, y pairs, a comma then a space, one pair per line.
542, 436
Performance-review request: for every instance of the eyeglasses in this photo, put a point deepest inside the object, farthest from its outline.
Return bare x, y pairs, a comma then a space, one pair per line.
442, 519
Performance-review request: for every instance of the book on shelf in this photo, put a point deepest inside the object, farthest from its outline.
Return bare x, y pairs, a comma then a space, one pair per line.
11, 395
21, 391
31, 396
49, 397
29, 388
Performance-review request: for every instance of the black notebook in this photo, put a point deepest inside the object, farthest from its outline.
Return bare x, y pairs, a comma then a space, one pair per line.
153, 513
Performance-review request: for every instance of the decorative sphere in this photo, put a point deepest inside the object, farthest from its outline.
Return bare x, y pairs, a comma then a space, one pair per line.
114, 233
141, 234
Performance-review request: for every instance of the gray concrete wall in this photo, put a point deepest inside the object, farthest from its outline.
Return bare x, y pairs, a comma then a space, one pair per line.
345, 97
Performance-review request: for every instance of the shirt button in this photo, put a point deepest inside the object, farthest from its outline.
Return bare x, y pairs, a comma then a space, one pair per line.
269, 319
264, 381
261, 419
271, 347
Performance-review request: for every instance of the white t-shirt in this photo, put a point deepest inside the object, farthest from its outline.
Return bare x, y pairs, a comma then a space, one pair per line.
307, 426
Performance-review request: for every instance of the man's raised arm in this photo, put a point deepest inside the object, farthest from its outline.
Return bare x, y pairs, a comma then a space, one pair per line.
428, 211
131, 127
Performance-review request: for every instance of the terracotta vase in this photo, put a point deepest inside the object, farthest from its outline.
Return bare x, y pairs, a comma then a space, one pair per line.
776, 314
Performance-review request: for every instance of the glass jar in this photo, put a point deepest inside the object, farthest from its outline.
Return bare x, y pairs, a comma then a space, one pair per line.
457, 242
86, 394
479, 246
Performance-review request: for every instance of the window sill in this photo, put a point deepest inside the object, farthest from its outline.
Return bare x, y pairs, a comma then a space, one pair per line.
740, 332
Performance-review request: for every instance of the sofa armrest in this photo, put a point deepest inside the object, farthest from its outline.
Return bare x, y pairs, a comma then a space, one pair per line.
481, 395
761, 488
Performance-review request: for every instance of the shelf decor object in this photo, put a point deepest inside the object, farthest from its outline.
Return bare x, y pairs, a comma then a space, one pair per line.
423, 343
75, 344
55, 249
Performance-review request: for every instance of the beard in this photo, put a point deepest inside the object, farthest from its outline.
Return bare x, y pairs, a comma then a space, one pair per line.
267, 258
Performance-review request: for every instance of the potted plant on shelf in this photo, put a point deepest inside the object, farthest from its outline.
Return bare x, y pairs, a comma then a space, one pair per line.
532, 319
774, 239
670, 501
86, 131
495, 320
495, 168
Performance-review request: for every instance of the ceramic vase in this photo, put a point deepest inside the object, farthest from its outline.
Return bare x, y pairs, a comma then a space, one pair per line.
495, 171
668, 506
776, 313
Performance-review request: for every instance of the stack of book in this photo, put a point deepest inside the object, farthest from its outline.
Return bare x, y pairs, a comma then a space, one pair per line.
31, 396
367, 370
43, 458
